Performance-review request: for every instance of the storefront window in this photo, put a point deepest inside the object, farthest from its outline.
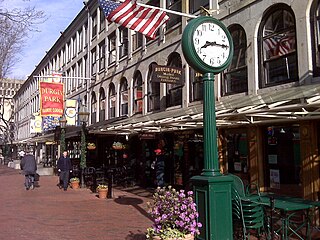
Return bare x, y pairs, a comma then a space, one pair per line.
282, 159
237, 153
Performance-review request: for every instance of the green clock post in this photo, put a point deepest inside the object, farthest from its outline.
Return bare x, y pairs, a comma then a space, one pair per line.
208, 48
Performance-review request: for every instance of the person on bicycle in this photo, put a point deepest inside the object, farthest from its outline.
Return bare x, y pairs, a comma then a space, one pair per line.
29, 166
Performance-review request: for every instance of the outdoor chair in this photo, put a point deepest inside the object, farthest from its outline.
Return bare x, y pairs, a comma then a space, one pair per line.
89, 176
247, 212
100, 176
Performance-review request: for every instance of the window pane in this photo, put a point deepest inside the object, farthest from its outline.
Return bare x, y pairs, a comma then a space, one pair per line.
235, 78
281, 70
195, 5
278, 46
236, 82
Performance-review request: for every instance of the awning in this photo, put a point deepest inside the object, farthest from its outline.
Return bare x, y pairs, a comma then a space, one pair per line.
44, 138
279, 106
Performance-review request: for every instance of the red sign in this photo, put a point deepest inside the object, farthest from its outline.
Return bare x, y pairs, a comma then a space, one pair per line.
51, 99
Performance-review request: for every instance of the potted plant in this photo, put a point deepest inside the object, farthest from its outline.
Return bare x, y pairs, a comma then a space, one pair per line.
91, 146
117, 146
74, 182
174, 213
102, 190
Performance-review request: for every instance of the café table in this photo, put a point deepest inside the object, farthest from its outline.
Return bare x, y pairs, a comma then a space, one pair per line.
288, 207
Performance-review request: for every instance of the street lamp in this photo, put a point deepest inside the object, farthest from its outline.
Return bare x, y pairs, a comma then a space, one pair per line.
63, 123
83, 117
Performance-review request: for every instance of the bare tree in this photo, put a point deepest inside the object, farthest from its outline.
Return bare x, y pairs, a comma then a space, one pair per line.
15, 24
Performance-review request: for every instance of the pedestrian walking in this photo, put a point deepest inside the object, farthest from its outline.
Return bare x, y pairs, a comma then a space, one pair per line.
29, 166
64, 169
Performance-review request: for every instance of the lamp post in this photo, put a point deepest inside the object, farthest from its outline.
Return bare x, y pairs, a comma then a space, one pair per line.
83, 117
63, 123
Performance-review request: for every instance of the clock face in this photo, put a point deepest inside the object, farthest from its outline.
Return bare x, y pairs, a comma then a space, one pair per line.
207, 45
211, 44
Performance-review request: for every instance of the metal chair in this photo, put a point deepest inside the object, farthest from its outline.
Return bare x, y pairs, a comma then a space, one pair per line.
89, 178
247, 212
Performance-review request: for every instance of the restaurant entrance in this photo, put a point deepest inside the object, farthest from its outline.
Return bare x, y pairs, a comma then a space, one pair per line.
282, 159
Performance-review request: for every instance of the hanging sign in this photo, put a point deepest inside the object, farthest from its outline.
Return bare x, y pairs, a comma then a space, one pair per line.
36, 125
71, 111
51, 99
167, 74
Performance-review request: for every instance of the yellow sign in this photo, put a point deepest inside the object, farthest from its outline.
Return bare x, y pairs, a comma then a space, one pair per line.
70, 111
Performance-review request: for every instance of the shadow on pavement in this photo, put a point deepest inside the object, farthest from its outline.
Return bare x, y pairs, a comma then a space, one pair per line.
124, 200
136, 236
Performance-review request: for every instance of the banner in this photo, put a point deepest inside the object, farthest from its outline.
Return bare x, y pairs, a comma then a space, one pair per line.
50, 123
36, 125
51, 99
71, 112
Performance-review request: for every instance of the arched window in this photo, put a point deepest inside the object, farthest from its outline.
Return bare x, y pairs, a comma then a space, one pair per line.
123, 97
102, 105
112, 101
277, 42
174, 91
315, 30
235, 78
93, 108
153, 90
196, 85
137, 92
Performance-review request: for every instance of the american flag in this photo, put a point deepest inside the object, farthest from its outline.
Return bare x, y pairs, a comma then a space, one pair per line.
130, 15
279, 46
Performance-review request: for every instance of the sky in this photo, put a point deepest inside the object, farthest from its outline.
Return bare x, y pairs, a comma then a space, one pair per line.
59, 14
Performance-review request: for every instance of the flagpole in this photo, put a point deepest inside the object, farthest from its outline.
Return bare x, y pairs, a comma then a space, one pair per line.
165, 10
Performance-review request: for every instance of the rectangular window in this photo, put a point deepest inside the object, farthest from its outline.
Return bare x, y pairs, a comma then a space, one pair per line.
85, 62
94, 61
85, 32
69, 51
137, 39
123, 48
174, 19
94, 25
80, 73
73, 79
80, 37
102, 21
74, 47
196, 4
102, 55
112, 48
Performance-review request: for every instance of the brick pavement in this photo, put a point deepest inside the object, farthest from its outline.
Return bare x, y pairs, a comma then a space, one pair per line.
50, 213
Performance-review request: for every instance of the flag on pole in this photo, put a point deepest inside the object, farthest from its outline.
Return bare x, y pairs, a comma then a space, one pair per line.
130, 15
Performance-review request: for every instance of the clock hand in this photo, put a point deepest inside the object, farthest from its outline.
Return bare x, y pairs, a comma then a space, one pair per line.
207, 44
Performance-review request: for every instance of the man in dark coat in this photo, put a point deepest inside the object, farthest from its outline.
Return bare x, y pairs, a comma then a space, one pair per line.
29, 166
64, 168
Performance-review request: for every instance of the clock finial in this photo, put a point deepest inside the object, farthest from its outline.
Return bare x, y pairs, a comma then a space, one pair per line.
208, 12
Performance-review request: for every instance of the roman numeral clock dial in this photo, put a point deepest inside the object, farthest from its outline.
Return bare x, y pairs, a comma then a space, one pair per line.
207, 45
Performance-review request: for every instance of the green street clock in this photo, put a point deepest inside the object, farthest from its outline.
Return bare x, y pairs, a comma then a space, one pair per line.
207, 45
